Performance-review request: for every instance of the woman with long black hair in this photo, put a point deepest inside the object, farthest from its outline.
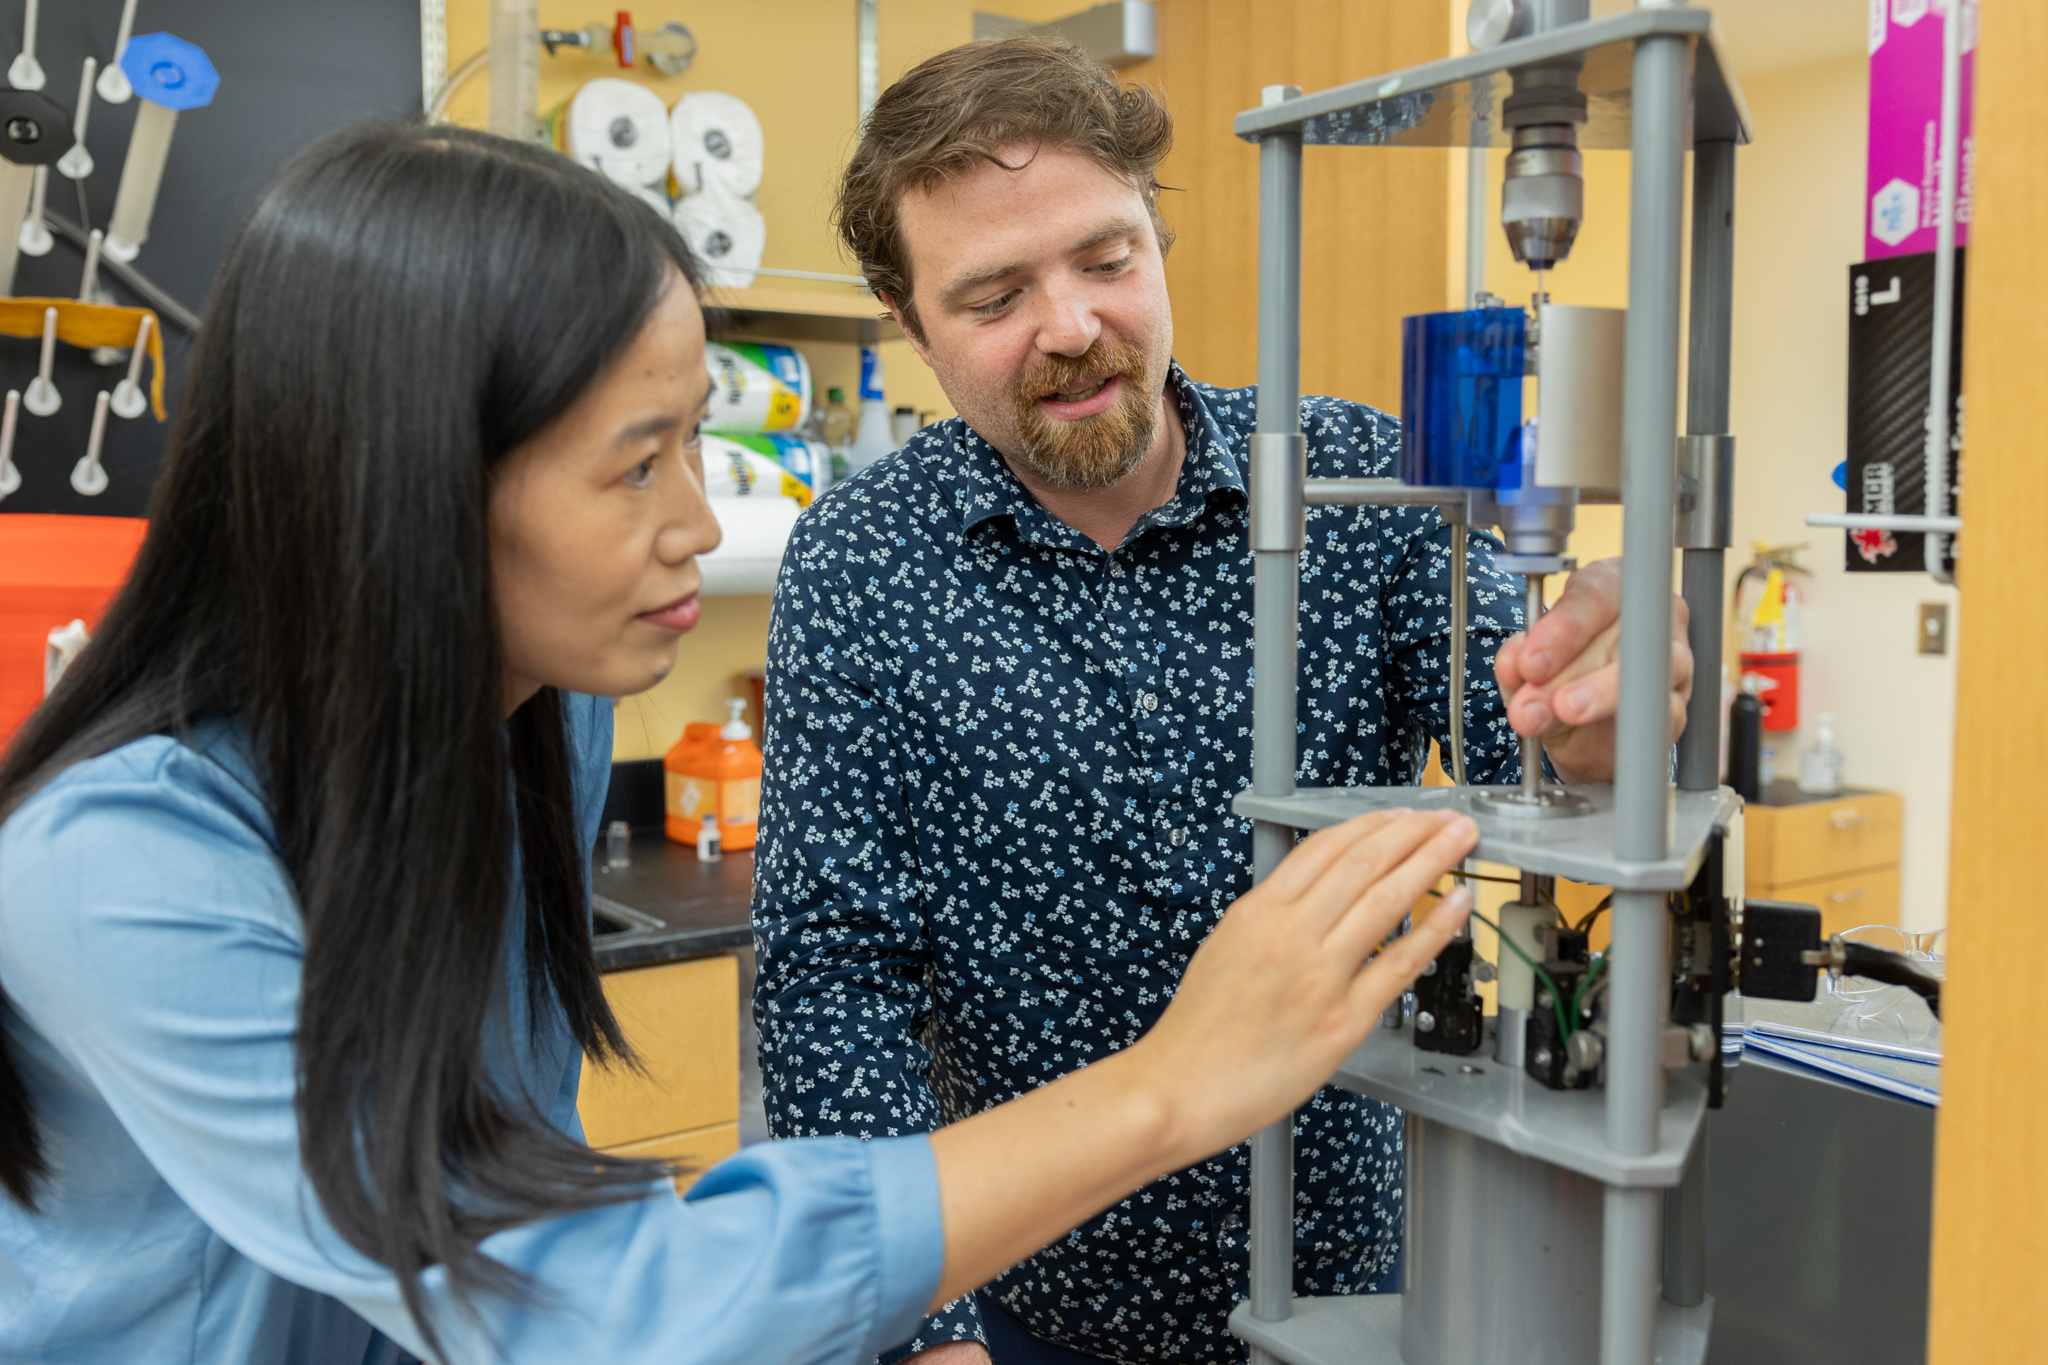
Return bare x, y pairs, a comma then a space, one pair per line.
294, 924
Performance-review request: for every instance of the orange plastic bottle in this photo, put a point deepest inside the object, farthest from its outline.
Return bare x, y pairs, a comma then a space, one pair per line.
715, 769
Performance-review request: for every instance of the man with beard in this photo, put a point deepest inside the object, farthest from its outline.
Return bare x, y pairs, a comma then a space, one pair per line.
1009, 700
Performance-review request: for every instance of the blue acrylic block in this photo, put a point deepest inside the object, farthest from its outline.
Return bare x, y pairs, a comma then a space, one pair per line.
1461, 396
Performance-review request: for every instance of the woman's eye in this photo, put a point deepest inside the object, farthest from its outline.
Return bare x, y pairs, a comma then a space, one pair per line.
641, 475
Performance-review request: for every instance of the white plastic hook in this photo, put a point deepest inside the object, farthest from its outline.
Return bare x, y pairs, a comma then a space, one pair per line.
26, 73
88, 477
76, 164
42, 397
89, 280
10, 477
35, 233
128, 399
113, 83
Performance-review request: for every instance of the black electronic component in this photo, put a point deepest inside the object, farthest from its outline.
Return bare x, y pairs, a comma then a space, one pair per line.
1775, 935
1700, 937
1447, 1009
1544, 1053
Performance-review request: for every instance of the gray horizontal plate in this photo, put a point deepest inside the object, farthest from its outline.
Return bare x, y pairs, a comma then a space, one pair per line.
1365, 1329
1580, 847
1431, 105
1566, 1128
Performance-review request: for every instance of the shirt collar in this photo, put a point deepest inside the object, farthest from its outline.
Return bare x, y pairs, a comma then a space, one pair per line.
981, 486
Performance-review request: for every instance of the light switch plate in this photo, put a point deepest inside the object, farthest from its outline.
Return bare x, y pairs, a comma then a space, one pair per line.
1934, 627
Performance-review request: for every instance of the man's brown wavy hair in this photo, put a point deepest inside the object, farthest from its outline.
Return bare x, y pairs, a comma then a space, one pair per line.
972, 103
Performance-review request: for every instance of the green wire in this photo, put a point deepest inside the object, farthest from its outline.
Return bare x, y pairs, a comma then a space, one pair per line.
1556, 996
1586, 984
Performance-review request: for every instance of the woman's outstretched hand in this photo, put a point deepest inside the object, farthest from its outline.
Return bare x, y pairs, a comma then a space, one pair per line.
1282, 991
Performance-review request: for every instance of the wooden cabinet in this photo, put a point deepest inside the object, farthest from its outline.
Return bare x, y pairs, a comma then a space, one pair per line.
1838, 852
683, 1103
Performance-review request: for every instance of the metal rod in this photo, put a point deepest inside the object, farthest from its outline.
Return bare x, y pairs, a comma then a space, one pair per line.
1275, 606
1380, 493
1532, 745
1478, 222
1706, 413
1636, 1007
167, 308
1941, 361
1884, 521
1460, 590
1685, 1230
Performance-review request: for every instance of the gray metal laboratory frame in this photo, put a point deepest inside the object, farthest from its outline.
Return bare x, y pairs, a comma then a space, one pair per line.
1541, 1226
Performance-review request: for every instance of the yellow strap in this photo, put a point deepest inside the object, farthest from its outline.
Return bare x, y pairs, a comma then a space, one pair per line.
91, 324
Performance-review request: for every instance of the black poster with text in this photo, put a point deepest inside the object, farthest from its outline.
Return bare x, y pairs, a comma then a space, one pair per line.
1891, 341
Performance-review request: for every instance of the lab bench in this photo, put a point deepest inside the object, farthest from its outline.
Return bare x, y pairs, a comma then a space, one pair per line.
668, 933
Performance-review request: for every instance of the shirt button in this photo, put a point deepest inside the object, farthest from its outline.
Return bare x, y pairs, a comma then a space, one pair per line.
1177, 838
1150, 701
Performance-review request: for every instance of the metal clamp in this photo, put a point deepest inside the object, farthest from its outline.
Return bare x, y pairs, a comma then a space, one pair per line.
1706, 492
1279, 466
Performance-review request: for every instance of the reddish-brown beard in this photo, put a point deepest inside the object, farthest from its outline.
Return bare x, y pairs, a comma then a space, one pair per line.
1093, 452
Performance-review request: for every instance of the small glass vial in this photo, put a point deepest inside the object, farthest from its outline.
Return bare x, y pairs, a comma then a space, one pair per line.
707, 840
618, 845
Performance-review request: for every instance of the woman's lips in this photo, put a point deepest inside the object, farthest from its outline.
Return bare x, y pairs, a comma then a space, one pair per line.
1100, 401
678, 615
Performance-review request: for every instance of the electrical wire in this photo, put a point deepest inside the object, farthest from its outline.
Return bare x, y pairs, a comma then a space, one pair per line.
1586, 925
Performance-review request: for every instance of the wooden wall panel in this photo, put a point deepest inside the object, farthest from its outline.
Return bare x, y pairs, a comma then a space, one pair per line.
1991, 1153
1375, 221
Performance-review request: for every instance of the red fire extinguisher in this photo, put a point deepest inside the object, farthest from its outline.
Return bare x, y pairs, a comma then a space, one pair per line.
1770, 599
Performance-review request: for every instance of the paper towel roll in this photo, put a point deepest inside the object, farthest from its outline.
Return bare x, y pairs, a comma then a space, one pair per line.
620, 130
717, 142
728, 235
749, 554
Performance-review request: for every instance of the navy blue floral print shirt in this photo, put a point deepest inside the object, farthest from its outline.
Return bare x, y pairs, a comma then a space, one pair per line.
995, 823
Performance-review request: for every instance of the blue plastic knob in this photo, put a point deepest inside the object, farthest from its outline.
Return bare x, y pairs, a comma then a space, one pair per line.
169, 71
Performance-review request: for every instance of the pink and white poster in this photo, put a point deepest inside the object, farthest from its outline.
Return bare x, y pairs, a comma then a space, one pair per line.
1905, 125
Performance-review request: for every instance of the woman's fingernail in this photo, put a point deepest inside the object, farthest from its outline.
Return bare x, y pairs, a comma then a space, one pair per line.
1447, 815
1537, 662
1579, 699
1399, 810
1537, 714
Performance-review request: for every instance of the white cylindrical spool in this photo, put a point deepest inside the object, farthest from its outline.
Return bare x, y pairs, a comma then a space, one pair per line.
620, 130
89, 476
727, 234
10, 476
34, 237
42, 398
113, 84
129, 400
16, 183
89, 278
1578, 397
76, 164
1518, 923
142, 175
25, 72
718, 144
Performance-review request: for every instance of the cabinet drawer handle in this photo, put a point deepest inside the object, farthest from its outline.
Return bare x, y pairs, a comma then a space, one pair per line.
1841, 897
1847, 819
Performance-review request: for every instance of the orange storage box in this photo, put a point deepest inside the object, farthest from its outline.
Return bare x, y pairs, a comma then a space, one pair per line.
53, 570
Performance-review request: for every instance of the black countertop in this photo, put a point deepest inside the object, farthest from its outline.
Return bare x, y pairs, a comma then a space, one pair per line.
666, 905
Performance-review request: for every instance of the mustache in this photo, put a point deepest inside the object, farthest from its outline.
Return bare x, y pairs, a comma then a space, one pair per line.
1051, 373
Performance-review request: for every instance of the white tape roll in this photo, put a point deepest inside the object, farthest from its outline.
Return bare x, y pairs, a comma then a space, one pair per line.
620, 130
728, 234
717, 143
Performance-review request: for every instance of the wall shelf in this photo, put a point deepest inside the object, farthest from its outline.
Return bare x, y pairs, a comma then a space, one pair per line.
784, 311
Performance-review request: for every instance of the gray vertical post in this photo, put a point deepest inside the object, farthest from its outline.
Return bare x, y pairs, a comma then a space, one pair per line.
1706, 414
1699, 751
1637, 1006
1277, 470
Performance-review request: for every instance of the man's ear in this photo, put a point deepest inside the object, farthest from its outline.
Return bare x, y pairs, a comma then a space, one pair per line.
909, 332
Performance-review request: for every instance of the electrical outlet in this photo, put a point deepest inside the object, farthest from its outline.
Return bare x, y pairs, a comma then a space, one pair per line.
1934, 627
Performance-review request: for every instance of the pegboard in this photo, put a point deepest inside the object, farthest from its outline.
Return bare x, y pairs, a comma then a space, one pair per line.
289, 73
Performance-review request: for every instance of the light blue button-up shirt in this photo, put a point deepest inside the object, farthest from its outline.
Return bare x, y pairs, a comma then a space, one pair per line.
150, 950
